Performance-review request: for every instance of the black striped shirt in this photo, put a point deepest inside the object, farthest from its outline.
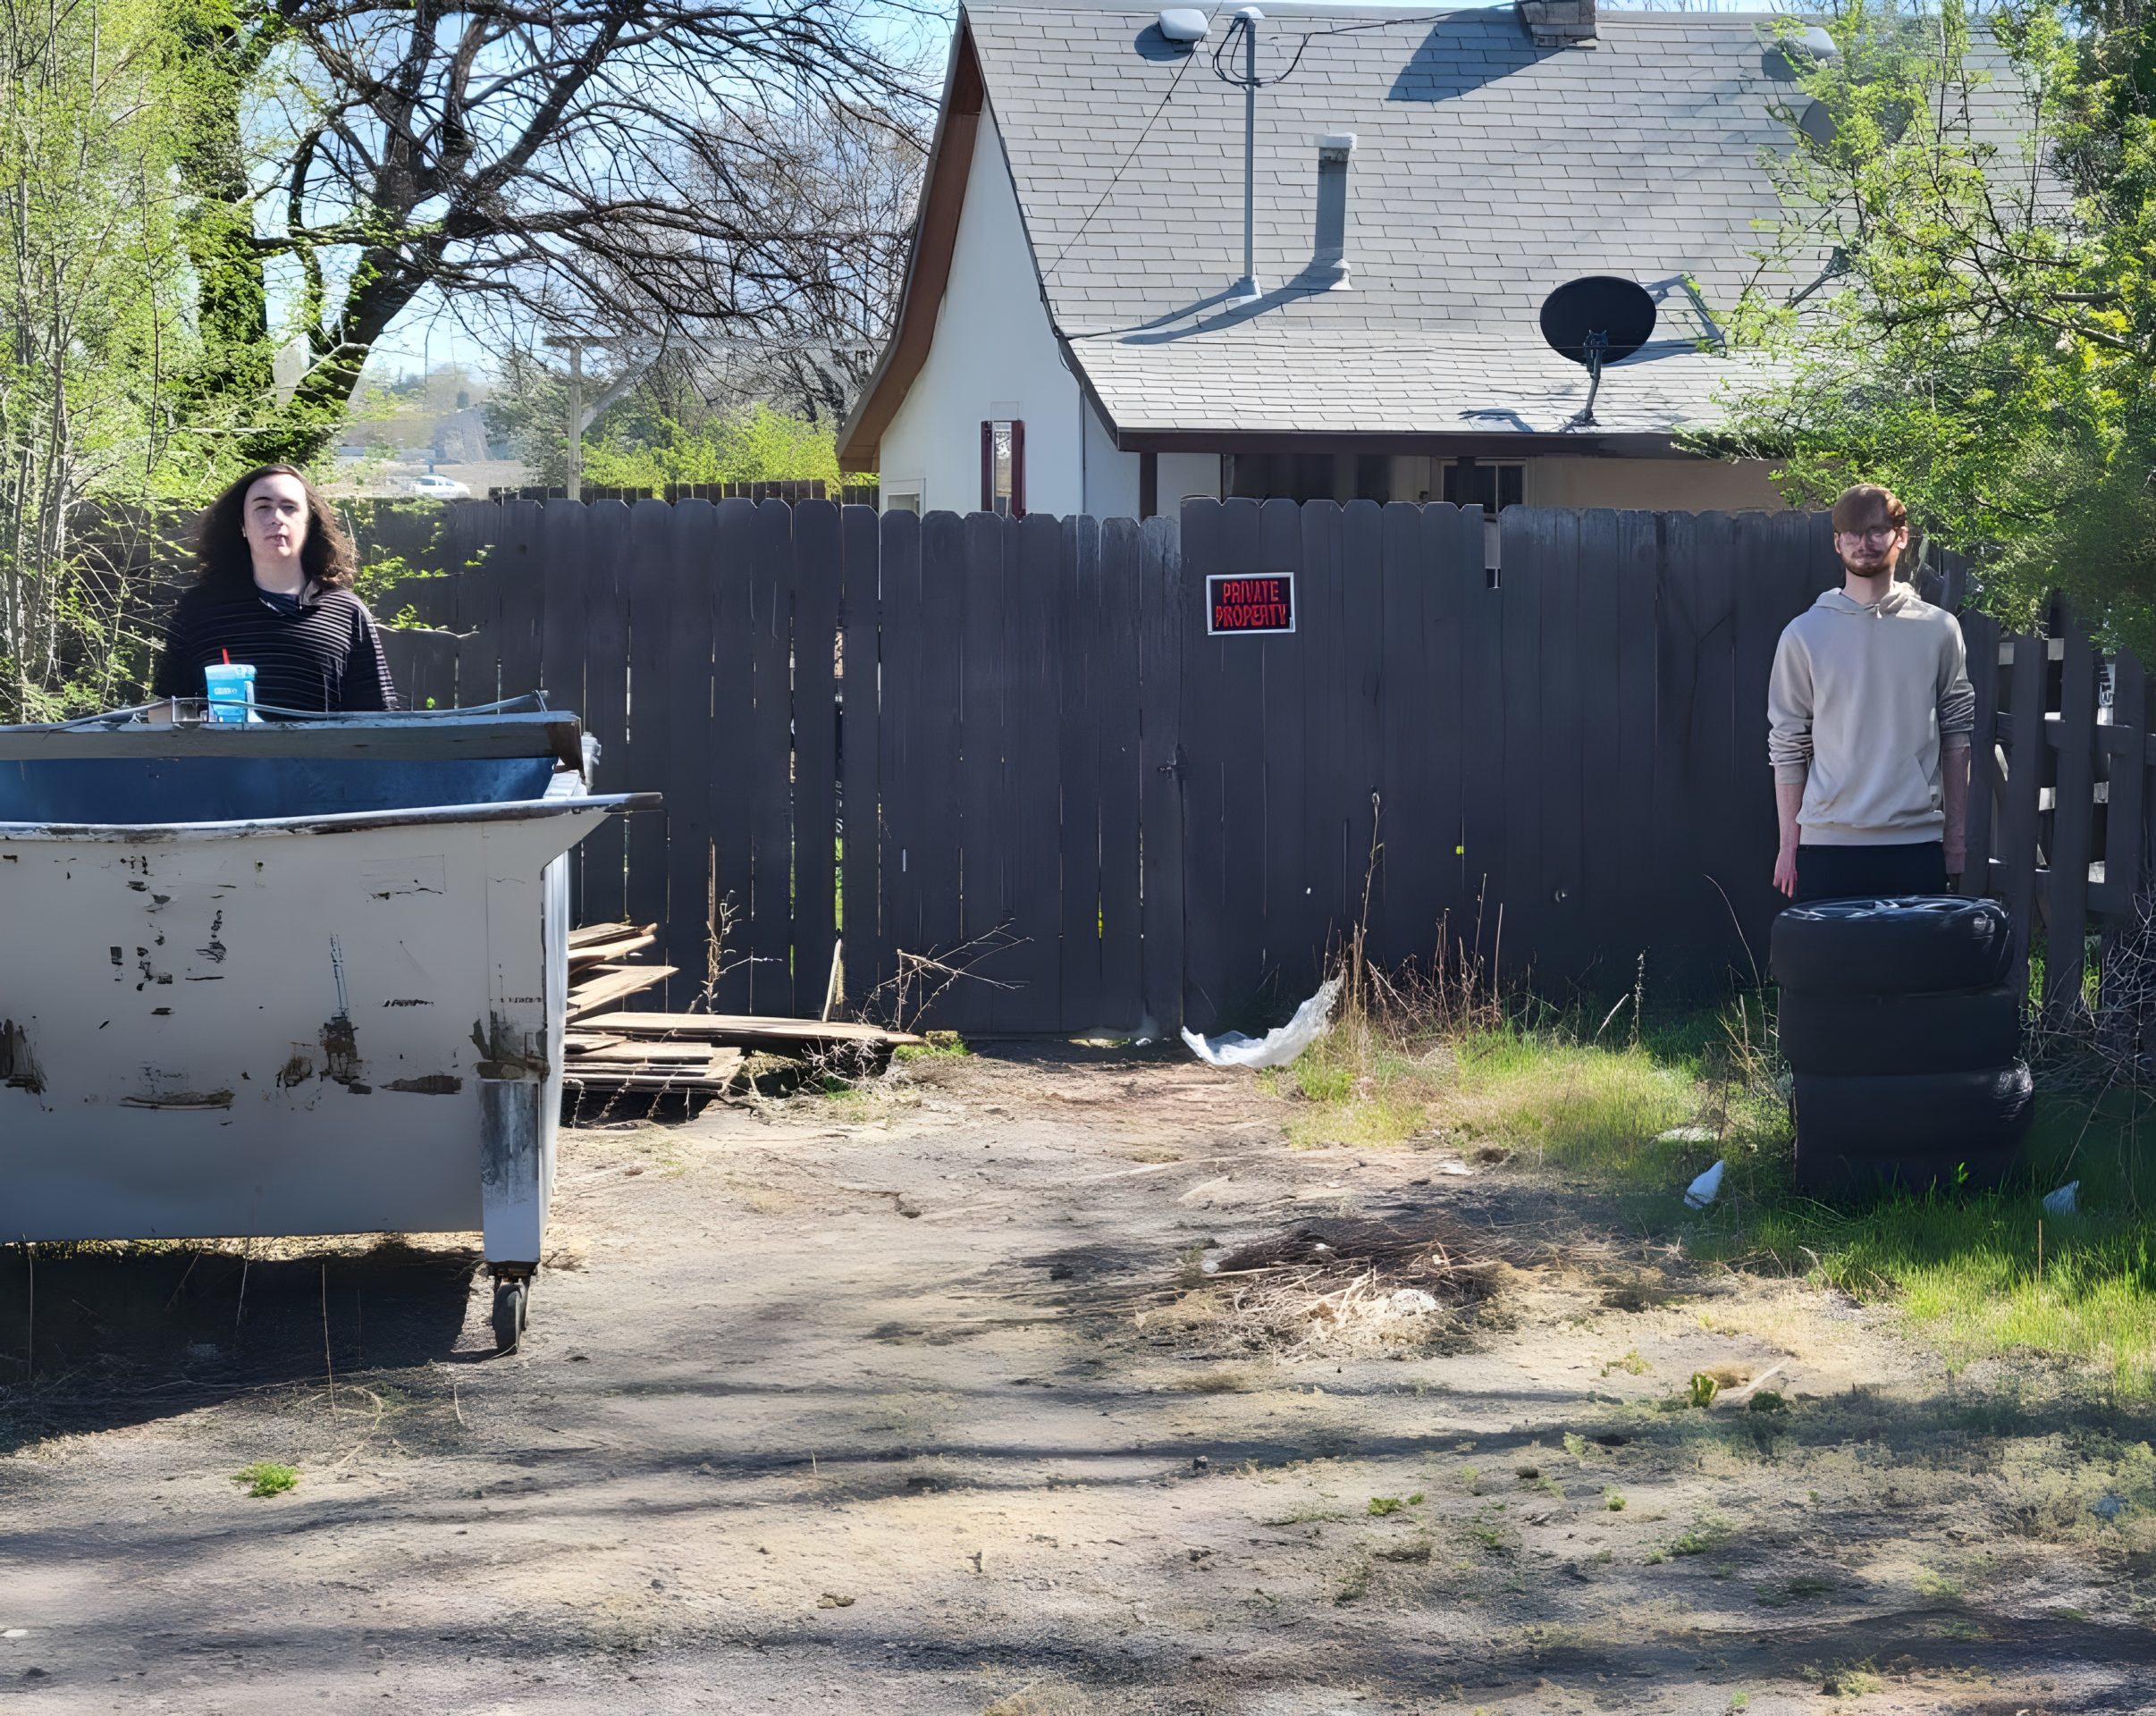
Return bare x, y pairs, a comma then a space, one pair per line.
320, 653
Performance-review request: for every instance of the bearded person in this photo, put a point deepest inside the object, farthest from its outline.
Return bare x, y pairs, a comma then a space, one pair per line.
1869, 713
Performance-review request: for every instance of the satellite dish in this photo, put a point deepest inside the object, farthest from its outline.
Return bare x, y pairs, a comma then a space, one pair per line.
1600, 319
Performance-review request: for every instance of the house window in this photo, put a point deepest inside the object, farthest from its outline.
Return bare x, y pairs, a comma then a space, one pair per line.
1489, 483
902, 500
1003, 467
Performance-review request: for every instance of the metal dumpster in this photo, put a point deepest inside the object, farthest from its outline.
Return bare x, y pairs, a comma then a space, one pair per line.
303, 977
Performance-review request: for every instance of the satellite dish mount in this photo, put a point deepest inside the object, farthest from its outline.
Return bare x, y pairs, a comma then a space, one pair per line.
1594, 321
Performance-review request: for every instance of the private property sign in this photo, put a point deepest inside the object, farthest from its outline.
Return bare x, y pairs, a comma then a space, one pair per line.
1261, 602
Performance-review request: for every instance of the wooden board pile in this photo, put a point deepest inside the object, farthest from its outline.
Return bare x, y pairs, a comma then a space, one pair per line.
608, 1052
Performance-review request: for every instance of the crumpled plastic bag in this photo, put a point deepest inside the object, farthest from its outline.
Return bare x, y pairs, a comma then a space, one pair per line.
2065, 1201
1704, 1189
1277, 1047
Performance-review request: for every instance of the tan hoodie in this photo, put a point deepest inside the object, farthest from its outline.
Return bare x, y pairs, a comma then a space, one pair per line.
1859, 701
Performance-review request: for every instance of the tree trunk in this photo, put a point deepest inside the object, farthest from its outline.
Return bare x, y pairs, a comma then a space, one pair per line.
234, 380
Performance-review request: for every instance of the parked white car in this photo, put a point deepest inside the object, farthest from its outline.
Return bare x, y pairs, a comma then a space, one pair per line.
436, 487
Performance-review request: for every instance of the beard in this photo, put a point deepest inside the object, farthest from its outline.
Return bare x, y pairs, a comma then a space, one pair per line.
1865, 565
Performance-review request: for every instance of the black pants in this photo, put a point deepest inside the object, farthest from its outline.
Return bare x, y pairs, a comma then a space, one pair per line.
1853, 872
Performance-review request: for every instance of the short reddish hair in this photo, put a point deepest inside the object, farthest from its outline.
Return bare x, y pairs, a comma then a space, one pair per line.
1867, 507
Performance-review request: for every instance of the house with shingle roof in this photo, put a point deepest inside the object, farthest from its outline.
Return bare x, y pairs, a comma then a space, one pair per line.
1076, 334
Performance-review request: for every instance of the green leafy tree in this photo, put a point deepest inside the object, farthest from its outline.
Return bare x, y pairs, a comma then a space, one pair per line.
96, 341
1971, 212
659, 427
757, 444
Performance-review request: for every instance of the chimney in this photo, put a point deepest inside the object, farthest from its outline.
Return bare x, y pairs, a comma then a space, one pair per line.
1329, 262
1559, 23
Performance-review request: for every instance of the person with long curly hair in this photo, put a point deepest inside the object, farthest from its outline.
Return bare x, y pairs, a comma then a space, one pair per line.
273, 592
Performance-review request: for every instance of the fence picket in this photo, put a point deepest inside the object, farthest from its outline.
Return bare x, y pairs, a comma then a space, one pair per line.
1979, 641
2024, 779
1030, 830
650, 584
1081, 713
1328, 896
861, 928
1120, 778
1161, 616
604, 646
769, 941
683, 705
2125, 844
2067, 894
817, 570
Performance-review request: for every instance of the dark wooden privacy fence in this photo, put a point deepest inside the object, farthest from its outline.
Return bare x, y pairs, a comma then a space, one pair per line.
1052, 776
1560, 762
2063, 778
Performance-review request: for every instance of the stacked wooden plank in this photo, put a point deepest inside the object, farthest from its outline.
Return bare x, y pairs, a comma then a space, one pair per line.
608, 1051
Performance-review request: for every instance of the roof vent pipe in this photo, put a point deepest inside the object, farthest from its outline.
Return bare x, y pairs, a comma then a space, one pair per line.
1247, 291
1328, 261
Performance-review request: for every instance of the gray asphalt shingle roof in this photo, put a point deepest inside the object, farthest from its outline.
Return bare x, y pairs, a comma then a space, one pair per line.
1487, 172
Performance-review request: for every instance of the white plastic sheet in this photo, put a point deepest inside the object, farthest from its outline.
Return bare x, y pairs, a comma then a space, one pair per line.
1277, 1047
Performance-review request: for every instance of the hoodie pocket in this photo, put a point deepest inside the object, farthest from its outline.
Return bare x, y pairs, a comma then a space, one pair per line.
1820, 789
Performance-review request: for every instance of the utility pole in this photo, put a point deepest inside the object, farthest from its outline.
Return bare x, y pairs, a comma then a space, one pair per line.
575, 347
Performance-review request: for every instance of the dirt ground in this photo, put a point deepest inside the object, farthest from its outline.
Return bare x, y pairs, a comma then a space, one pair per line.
923, 1400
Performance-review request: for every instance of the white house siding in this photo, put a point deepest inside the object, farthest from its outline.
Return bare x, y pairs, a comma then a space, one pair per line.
1186, 475
994, 355
1111, 477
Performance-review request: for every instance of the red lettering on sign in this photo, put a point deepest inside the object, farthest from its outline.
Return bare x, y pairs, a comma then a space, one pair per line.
1252, 604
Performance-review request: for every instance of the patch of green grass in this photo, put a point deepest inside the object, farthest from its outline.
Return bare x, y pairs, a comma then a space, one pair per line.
1307, 1517
1709, 1532
1702, 1389
1612, 1501
1321, 1078
1985, 1274
265, 1477
1631, 1364
1852, 1682
1381, 1505
941, 1045
1601, 1099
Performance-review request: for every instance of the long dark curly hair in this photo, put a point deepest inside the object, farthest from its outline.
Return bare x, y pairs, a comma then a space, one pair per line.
224, 558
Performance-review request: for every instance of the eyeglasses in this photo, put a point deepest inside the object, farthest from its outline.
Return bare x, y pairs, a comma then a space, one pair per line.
1878, 536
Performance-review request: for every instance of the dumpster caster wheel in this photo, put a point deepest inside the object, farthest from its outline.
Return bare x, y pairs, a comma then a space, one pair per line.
512, 1299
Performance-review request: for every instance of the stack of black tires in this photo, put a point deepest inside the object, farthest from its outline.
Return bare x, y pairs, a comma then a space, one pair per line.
1903, 1034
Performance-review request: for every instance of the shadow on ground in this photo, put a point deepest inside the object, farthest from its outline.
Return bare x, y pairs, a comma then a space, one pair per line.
98, 1340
